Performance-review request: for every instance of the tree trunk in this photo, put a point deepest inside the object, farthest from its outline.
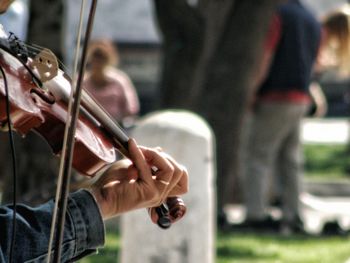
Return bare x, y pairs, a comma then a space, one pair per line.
211, 52
45, 25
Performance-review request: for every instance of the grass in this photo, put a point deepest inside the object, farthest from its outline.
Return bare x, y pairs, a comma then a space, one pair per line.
252, 248
324, 162
327, 161
109, 253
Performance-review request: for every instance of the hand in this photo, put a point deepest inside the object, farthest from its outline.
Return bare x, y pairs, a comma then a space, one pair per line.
129, 185
4, 5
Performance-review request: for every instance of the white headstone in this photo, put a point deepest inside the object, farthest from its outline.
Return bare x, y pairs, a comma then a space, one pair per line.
190, 141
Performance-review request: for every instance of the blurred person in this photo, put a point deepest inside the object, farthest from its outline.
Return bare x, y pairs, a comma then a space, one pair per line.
319, 104
334, 55
281, 101
335, 45
111, 87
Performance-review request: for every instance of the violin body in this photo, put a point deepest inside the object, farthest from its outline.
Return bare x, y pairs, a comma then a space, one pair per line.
24, 113
44, 110
38, 94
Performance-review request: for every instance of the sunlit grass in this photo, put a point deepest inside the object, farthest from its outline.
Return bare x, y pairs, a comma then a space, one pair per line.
254, 248
109, 253
265, 248
324, 161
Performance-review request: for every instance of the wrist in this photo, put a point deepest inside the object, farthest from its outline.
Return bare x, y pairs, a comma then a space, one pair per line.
100, 200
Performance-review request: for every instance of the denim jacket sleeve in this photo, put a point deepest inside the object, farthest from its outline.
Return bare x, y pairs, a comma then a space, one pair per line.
84, 229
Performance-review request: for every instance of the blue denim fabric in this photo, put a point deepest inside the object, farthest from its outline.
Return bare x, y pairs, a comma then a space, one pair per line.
84, 229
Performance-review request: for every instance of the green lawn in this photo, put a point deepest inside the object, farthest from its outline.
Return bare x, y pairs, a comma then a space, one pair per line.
252, 248
327, 162
265, 248
109, 253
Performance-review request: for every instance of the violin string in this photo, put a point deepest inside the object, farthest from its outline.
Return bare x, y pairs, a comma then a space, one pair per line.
14, 166
36, 49
60, 62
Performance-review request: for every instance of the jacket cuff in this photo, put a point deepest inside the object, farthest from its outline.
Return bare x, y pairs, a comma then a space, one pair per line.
87, 220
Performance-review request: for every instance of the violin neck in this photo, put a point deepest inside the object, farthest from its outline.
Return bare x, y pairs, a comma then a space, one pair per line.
106, 121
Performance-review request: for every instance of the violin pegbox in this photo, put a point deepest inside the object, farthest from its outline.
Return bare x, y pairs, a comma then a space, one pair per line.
45, 65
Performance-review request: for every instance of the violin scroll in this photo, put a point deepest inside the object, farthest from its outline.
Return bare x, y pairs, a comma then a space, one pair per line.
166, 214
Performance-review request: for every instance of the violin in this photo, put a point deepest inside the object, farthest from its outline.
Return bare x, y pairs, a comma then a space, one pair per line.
38, 92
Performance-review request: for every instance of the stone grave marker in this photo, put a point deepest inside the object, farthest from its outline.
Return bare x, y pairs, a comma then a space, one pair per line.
190, 141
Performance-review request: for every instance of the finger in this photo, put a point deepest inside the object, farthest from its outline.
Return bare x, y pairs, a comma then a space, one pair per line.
164, 182
140, 163
182, 185
162, 187
164, 169
179, 181
178, 173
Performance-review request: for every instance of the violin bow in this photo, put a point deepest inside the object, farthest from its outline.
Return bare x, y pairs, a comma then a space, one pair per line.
58, 220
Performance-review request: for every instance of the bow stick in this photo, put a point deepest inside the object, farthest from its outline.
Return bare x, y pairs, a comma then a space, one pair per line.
57, 229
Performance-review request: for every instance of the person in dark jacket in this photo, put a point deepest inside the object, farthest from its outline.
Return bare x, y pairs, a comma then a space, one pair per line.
282, 99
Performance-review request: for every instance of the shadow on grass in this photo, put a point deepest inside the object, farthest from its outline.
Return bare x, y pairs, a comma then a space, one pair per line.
238, 252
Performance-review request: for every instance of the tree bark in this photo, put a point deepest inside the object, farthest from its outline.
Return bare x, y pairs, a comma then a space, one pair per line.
45, 25
182, 28
212, 72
